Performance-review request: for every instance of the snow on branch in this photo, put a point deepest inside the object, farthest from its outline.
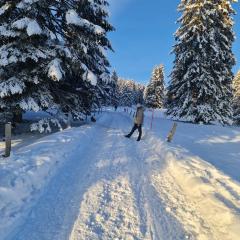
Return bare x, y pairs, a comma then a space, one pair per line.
25, 3
11, 86
73, 18
29, 104
30, 25
55, 71
45, 125
7, 33
4, 8
91, 77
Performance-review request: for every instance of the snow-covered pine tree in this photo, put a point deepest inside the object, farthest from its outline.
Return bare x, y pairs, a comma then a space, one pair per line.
139, 88
129, 92
126, 97
236, 99
29, 63
87, 27
154, 92
201, 80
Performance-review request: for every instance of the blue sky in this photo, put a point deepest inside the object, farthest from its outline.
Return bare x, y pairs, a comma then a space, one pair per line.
144, 36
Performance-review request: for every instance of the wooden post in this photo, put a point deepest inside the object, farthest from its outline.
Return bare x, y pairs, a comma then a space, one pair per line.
8, 136
172, 133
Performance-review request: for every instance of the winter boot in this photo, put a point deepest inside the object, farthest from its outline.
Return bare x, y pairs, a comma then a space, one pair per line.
127, 136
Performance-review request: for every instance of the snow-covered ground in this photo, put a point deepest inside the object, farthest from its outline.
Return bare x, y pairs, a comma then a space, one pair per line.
91, 183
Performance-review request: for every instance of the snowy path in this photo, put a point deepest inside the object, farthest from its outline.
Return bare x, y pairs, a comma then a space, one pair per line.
116, 188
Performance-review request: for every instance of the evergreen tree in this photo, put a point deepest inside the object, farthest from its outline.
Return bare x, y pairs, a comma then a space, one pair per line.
87, 27
129, 92
201, 80
154, 92
236, 99
52, 55
30, 60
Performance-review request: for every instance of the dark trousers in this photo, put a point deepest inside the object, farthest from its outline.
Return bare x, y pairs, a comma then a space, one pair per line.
136, 127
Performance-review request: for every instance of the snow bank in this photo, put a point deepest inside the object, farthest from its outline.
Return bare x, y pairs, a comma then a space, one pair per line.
215, 144
201, 197
27, 171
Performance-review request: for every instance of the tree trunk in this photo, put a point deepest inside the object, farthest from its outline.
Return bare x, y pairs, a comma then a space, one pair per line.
17, 116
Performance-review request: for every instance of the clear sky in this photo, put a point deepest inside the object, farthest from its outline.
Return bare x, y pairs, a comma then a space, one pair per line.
144, 36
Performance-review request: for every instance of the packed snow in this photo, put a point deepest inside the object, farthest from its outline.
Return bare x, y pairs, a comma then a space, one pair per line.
92, 183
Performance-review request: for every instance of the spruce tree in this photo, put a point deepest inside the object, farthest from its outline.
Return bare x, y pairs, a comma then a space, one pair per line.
29, 62
52, 55
236, 99
129, 92
87, 27
201, 80
154, 92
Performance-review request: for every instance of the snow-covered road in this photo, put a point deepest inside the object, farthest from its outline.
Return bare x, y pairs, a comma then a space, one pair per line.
111, 187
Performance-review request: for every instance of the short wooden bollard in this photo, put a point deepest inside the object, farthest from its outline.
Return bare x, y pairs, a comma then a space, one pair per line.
8, 136
172, 133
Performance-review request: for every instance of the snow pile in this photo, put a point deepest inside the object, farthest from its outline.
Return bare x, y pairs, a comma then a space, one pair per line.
26, 172
73, 18
55, 71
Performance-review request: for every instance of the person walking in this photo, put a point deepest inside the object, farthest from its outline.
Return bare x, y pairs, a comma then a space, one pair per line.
138, 121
